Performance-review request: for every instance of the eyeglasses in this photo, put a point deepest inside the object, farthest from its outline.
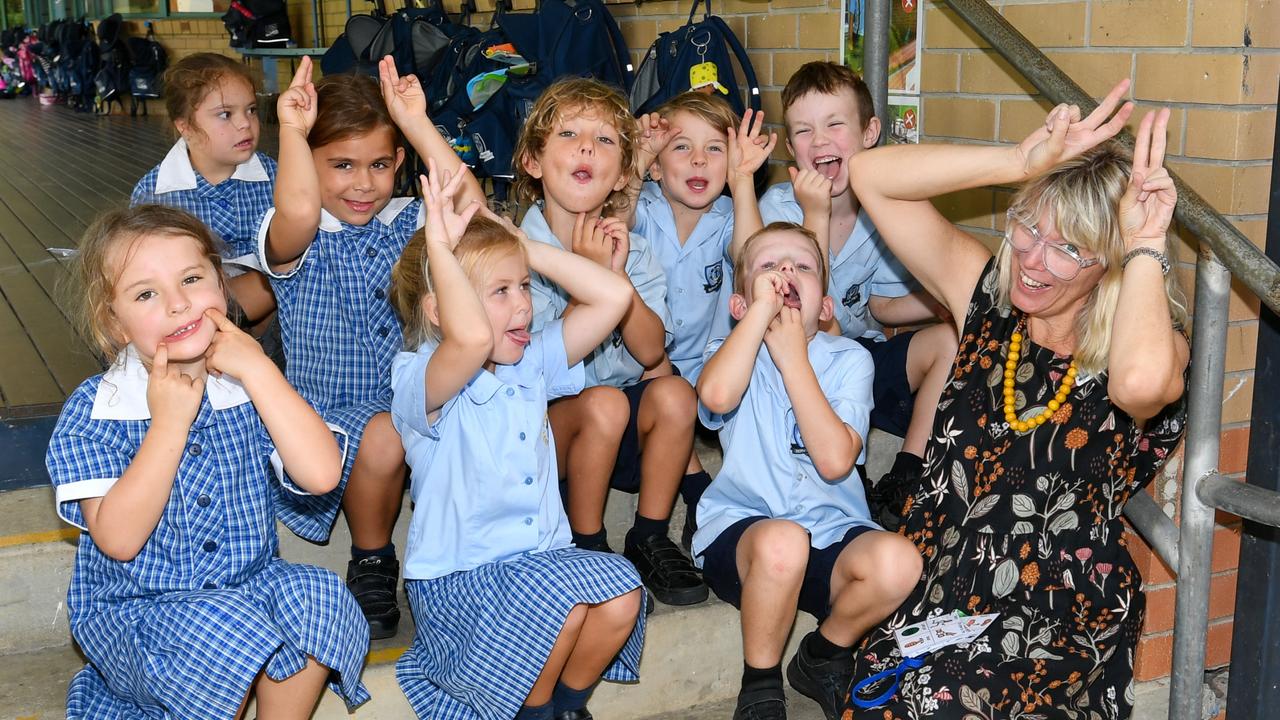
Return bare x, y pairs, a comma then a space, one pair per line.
1061, 262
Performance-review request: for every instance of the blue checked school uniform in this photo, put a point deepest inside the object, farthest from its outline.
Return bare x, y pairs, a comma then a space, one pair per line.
184, 628
611, 363
864, 266
489, 571
233, 208
767, 471
339, 331
698, 273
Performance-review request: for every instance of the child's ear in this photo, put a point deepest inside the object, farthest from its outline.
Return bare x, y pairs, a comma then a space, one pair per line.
791, 150
737, 306
183, 126
655, 171
399, 158
531, 166
828, 310
431, 309
871, 134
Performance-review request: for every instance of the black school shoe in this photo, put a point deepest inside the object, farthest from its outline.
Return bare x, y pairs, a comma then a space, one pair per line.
372, 581
824, 681
668, 574
765, 704
582, 714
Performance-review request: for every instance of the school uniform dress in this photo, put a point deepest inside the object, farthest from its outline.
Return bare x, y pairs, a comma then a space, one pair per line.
863, 267
489, 571
611, 363
183, 629
233, 209
339, 331
699, 275
767, 471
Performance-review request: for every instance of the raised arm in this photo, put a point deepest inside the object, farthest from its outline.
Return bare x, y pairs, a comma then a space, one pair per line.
748, 150
407, 104
1148, 356
653, 132
122, 521
306, 446
297, 195
728, 372
602, 293
945, 260
813, 193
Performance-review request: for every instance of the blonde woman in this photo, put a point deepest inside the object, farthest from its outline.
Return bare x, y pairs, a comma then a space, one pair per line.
1064, 398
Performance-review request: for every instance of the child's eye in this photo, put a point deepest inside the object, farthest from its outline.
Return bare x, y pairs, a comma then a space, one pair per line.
253, 110
342, 166
380, 165
805, 267
145, 295
680, 147
605, 139
525, 286
566, 133
716, 149
768, 265
834, 123
224, 115
800, 131
190, 279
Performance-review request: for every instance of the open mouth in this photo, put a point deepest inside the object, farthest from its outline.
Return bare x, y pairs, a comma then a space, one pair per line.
582, 175
1030, 284
791, 298
828, 165
519, 336
244, 144
697, 184
184, 331
359, 207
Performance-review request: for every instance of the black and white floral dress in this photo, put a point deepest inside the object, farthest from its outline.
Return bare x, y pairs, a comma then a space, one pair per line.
1026, 525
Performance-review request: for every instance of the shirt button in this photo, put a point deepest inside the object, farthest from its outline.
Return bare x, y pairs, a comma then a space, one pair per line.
203, 501
379, 294
521, 436
195, 449
209, 546
679, 323
370, 252
210, 585
384, 331
510, 392
679, 291
528, 521
528, 481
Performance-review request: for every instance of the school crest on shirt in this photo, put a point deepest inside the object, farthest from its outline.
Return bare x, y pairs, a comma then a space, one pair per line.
852, 296
797, 442
713, 277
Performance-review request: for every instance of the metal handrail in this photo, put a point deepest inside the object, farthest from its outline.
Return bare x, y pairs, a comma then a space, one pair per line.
1245, 260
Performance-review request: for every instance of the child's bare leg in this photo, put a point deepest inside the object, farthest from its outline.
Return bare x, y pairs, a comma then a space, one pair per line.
375, 490
588, 429
293, 698
540, 694
604, 632
871, 578
772, 556
929, 359
665, 421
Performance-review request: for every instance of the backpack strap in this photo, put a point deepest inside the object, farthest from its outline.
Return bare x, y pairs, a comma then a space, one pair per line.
748, 72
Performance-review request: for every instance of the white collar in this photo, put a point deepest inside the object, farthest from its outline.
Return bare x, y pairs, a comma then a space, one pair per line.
122, 393
176, 172
386, 216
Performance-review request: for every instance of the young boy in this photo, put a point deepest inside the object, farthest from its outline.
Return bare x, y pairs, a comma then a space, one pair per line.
575, 156
688, 223
785, 523
829, 118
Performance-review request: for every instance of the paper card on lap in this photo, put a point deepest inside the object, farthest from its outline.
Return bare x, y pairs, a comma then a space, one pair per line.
972, 627
913, 640
939, 631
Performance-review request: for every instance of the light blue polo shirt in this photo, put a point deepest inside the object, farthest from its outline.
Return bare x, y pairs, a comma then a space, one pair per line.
609, 364
485, 486
767, 471
864, 267
696, 271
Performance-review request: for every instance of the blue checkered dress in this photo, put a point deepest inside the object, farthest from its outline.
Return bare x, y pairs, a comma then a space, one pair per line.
340, 332
183, 629
233, 208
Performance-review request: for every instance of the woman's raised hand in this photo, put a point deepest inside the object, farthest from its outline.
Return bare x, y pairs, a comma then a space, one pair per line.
1065, 135
296, 107
1146, 208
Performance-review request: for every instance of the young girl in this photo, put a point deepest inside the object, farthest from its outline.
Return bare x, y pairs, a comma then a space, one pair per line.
213, 171
178, 598
575, 156
511, 620
328, 246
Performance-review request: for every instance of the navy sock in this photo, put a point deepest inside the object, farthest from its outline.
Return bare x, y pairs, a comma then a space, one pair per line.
598, 540
692, 487
388, 550
818, 647
761, 678
565, 699
539, 712
906, 465
645, 528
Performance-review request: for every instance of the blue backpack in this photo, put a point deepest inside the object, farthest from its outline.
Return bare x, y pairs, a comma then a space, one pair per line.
666, 69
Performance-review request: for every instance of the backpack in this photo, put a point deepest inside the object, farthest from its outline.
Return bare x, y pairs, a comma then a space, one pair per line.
109, 81
258, 24
412, 37
697, 54
149, 61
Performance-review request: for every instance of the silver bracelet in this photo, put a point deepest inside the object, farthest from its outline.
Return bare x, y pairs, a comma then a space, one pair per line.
1160, 257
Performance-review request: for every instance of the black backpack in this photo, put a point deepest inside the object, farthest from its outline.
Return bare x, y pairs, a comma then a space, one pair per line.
665, 70
149, 61
258, 24
109, 81
413, 37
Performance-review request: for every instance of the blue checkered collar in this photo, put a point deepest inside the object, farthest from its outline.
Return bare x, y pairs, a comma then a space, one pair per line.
176, 172
122, 393
386, 216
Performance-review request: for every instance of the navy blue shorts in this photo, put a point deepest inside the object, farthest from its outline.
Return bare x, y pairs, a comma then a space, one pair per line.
891, 390
720, 568
626, 469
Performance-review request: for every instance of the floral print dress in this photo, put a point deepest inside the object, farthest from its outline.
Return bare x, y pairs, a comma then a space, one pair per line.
1026, 525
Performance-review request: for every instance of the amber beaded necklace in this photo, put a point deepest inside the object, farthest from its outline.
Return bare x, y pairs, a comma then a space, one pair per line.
1011, 371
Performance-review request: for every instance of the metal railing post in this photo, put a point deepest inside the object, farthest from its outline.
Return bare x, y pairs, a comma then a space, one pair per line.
875, 59
1195, 545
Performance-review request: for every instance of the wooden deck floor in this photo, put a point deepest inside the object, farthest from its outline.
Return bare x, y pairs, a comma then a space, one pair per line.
58, 169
